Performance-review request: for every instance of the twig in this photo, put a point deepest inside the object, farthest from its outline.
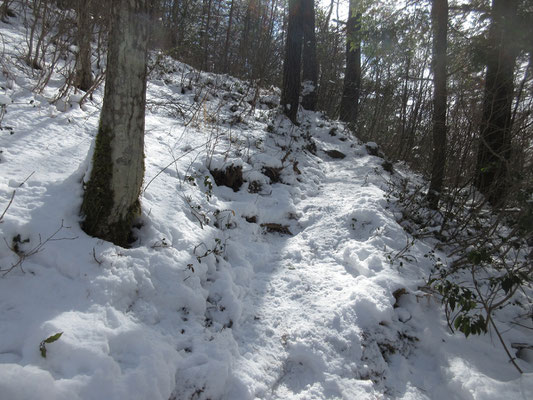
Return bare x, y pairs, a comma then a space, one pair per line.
24, 181
39, 247
521, 325
13, 196
95, 85
8, 205
174, 160
96, 259
505, 346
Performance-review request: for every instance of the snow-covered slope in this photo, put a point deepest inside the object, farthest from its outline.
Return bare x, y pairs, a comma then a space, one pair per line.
280, 289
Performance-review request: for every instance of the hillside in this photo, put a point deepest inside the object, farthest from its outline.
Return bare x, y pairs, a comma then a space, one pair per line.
267, 264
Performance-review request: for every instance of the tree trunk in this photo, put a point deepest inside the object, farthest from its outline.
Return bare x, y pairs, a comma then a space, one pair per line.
290, 94
174, 19
111, 199
182, 25
245, 38
310, 66
494, 149
205, 38
403, 110
352, 76
84, 35
225, 64
439, 16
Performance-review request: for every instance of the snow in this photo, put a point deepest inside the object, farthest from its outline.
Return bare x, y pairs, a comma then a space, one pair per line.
208, 304
4, 99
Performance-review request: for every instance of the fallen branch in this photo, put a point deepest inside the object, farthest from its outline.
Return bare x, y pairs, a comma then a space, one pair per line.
8, 205
13, 196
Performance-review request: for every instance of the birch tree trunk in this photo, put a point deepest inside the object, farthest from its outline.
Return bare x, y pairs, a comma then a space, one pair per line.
111, 199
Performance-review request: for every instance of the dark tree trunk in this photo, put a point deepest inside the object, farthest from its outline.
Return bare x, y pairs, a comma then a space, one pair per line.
403, 110
111, 199
84, 35
310, 66
494, 152
293, 59
205, 57
182, 25
416, 114
439, 17
225, 63
174, 24
245, 38
352, 76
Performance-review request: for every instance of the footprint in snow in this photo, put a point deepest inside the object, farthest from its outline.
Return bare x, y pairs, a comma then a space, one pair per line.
302, 369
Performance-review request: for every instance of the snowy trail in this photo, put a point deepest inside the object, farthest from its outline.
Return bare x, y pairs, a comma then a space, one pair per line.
320, 319
298, 339
207, 304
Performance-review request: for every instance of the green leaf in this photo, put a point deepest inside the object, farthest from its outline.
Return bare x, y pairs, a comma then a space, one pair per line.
53, 338
50, 339
452, 303
42, 349
466, 329
458, 321
478, 256
508, 282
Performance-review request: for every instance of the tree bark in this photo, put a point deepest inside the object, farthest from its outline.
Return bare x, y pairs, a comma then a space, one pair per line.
244, 42
310, 65
290, 94
225, 63
174, 13
403, 110
205, 38
494, 149
84, 35
352, 76
439, 17
111, 199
